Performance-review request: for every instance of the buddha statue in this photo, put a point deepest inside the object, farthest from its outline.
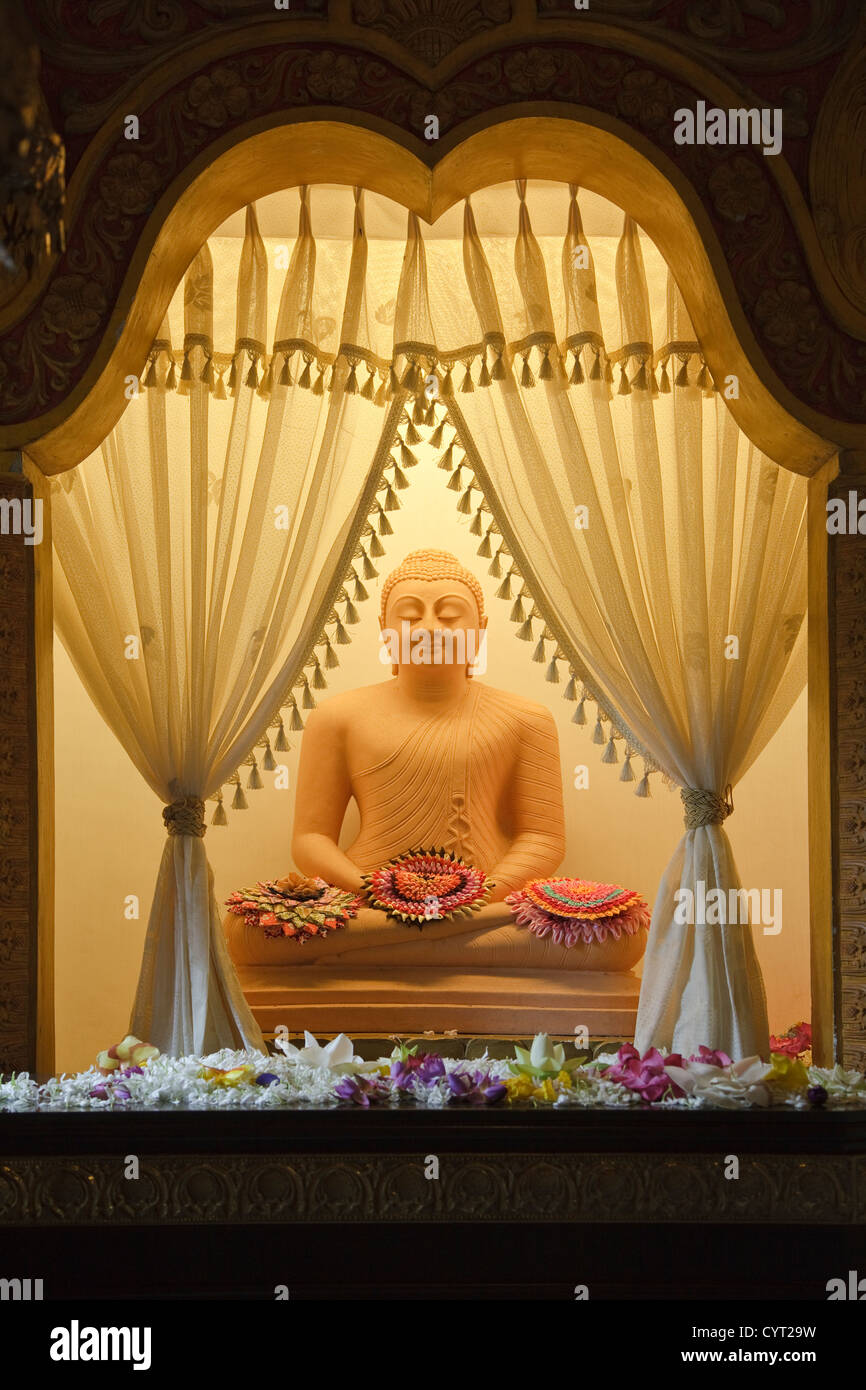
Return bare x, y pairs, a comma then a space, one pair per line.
434, 758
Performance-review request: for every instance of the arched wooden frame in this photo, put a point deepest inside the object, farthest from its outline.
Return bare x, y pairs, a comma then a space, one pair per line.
582, 149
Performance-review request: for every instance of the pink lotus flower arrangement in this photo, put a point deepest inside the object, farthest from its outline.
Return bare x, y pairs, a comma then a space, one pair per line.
575, 911
795, 1043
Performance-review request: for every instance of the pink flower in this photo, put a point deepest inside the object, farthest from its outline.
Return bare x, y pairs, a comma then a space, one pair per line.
646, 1075
709, 1057
795, 1042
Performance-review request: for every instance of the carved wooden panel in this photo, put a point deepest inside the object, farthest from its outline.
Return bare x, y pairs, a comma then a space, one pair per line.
847, 572
184, 1189
17, 795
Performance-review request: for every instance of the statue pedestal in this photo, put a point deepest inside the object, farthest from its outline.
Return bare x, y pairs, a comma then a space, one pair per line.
483, 975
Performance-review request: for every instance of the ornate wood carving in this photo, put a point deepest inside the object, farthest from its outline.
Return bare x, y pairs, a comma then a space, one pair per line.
478, 1187
250, 69
847, 575
18, 849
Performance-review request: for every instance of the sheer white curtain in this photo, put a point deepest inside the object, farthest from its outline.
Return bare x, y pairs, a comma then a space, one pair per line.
201, 556
648, 546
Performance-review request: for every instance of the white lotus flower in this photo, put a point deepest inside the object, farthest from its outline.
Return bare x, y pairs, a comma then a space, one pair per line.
742, 1083
337, 1055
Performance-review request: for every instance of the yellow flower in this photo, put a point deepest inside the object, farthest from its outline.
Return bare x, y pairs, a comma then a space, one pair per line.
519, 1088
566, 1079
545, 1091
232, 1076
788, 1073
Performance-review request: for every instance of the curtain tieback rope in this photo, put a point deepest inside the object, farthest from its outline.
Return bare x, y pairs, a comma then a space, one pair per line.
185, 817
705, 807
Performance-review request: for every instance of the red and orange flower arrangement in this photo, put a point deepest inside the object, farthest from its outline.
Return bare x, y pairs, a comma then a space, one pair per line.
294, 906
427, 885
575, 910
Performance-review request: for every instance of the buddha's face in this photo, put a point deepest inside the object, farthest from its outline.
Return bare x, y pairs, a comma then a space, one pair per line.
433, 622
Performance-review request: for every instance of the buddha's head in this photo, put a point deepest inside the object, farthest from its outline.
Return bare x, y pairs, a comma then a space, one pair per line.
432, 613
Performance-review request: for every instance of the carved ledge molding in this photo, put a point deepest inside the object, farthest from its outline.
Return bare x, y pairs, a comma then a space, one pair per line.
527, 1188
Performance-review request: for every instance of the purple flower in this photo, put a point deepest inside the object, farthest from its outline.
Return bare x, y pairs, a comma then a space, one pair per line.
476, 1087
121, 1093
359, 1089
132, 1071
816, 1095
402, 1073
266, 1078
100, 1092
709, 1057
431, 1067
645, 1075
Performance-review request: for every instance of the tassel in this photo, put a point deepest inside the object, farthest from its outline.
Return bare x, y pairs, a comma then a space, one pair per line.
254, 781
407, 458
551, 675
186, 369
484, 374
570, 691
296, 723
455, 482
382, 394
545, 371
307, 700
579, 716
665, 383
392, 501
341, 636
464, 506
352, 616
376, 547
639, 381
332, 661
359, 592
682, 376
627, 775
171, 379
220, 389
467, 383
430, 417
264, 390
351, 387
595, 372
150, 378
598, 731
484, 549
239, 801
539, 655
317, 680
269, 762
419, 413
253, 374
476, 526
281, 743
412, 436
518, 612
525, 633
400, 480
643, 786
576, 377
504, 590
438, 435
495, 566
206, 377
526, 377
447, 459
608, 370
624, 384
367, 388
305, 380
498, 372
448, 384
368, 568
385, 527
610, 754
319, 383
219, 816
653, 384
285, 374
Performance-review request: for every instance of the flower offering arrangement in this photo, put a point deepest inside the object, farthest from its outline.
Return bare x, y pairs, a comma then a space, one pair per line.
294, 906
577, 911
427, 885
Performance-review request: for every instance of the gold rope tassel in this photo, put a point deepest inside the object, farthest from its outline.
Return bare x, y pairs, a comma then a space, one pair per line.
447, 459
254, 781
393, 381
367, 388
281, 743
317, 680
579, 716
399, 479
296, 723
504, 590
498, 371
419, 411
570, 691
269, 762
332, 661
438, 435
526, 377
239, 801
319, 383
518, 612
525, 633
484, 375
253, 374
495, 566
171, 379
610, 754
448, 383
551, 675
576, 378
682, 376
627, 774
285, 374
545, 371
476, 525
206, 377
305, 380
639, 381
385, 527
150, 377
624, 383
464, 506
485, 549
186, 369
407, 458
598, 731
219, 816
455, 482
665, 382
376, 546
351, 387
411, 435
595, 370
643, 786
467, 383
